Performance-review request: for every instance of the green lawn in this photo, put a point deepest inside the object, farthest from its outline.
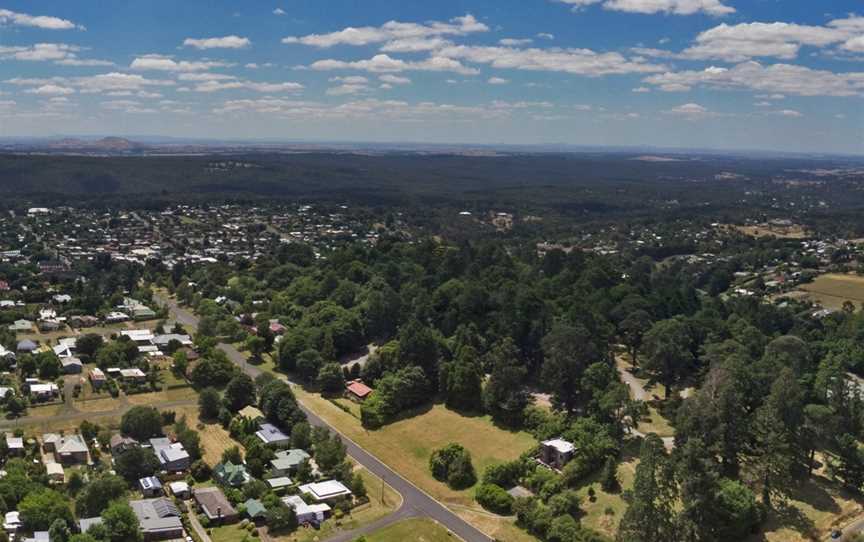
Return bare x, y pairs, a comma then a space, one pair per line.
412, 530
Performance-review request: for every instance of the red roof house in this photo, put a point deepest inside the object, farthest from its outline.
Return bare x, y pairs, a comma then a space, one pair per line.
357, 390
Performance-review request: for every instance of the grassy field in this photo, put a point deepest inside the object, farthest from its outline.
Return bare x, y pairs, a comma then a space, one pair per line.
412, 530
833, 289
795, 231
407, 444
214, 439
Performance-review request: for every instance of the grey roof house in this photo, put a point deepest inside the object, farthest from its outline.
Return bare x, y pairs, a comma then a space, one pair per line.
171, 456
159, 518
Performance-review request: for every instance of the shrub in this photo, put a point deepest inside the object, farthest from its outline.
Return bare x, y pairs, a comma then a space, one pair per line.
495, 499
452, 464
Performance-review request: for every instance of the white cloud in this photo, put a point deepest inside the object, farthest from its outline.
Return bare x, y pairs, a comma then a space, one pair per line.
497, 81
790, 113
395, 79
740, 42
204, 76
392, 31
164, 63
83, 62
8, 17
784, 79
574, 61
387, 64
414, 45
347, 89
546, 36
279, 11
350, 79
39, 51
114, 81
513, 42
691, 111
50, 90
641, 90
225, 42
218, 85
673, 7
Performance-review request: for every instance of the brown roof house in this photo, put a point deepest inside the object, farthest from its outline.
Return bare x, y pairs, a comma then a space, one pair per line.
214, 505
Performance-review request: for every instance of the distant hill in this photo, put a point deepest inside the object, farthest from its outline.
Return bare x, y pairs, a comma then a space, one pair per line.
106, 144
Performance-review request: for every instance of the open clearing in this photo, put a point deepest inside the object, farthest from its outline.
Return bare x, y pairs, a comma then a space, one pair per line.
793, 231
407, 444
833, 289
411, 530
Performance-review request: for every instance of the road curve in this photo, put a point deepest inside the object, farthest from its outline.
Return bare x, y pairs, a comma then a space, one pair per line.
415, 502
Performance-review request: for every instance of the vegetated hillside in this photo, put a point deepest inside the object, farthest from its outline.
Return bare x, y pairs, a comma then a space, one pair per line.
572, 183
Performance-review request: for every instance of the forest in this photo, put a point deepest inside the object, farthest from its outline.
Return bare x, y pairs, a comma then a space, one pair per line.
483, 326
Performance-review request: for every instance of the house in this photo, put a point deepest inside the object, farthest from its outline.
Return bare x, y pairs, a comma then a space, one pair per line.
252, 413
4, 286
158, 518
162, 341
21, 325
150, 486
280, 482
83, 321
138, 310
116, 317
49, 442
307, 514
72, 366
556, 452
120, 444
61, 298
6, 355
179, 489
140, 337
84, 524
27, 346
64, 350
276, 328
44, 392
71, 449
324, 491
49, 325
271, 435
255, 510
4, 391
133, 375
357, 391
55, 472
39, 536
230, 474
287, 461
214, 504
171, 455
97, 378
12, 522
14, 444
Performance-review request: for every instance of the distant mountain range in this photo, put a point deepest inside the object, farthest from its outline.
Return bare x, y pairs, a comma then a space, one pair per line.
107, 144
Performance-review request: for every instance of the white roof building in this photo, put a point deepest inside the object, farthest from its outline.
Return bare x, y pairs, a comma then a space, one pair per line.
306, 513
322, 491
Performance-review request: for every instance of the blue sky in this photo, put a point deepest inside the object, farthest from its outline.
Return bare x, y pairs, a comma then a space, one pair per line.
760, 74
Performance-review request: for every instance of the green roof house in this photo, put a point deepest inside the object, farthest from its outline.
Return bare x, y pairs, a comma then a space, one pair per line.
231, 475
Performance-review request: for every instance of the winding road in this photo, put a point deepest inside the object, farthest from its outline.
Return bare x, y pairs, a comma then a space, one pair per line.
415, 502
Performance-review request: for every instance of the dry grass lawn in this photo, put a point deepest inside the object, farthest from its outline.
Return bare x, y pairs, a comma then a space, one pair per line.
833, 289
412, 530
406, 446
214, 439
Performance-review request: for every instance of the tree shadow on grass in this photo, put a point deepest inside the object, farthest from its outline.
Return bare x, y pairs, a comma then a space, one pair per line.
788, 515
813, 492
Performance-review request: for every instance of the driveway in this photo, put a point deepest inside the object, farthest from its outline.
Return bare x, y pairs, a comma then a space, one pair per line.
415, 502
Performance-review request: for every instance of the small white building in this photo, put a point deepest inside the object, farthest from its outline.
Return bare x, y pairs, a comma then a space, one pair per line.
323, 491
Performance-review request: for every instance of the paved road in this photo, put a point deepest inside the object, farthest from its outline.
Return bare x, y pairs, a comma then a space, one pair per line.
415, 502
639, 393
